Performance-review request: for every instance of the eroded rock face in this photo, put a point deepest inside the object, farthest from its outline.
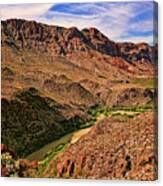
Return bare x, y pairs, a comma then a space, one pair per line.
49, 39
100, 42
56, 40
72, 91
74, 71
137, 96
113, 149
30, 120
140, 52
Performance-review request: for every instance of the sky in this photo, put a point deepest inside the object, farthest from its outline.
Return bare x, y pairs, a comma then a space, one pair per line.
119, 21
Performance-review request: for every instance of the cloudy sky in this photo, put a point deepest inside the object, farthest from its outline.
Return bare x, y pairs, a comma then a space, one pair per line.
120, 21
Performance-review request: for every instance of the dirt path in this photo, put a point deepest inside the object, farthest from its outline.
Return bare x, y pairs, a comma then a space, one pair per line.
77, 135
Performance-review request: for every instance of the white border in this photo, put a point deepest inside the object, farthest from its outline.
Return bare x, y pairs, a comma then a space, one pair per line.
48, 182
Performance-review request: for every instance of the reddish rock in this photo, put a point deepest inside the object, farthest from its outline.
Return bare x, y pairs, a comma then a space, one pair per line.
56, 40
120, 150
34, 164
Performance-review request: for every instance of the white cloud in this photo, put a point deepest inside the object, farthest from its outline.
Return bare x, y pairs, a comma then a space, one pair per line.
138, 39
144, 26
24, 11
110, 18
69, 20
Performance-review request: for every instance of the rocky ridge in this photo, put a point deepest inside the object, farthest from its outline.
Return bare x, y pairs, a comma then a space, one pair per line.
115, 148
52, 77
57, 40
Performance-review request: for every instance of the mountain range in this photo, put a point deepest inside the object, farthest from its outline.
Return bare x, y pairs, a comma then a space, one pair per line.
54, 78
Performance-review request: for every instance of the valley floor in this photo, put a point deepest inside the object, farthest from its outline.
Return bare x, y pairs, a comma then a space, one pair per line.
122, 128
76, 104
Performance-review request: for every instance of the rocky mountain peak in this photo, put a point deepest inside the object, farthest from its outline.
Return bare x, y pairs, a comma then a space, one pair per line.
56, 40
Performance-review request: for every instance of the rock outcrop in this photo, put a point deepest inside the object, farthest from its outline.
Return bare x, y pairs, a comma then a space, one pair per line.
52, 79
32, 120
115, 148
56, 40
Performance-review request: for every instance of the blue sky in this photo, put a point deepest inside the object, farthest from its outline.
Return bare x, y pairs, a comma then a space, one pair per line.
119, 21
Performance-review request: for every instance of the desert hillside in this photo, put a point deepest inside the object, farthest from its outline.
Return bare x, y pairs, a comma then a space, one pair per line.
58, 83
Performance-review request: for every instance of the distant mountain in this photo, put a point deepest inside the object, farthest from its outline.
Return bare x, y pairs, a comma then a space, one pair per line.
56, 40
53, 76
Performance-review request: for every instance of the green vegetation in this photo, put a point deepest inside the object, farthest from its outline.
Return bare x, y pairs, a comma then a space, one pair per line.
146, 83
99, 110
49, 156
126, 111
134, 108
88, 124
131, 111
95, 113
